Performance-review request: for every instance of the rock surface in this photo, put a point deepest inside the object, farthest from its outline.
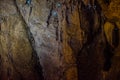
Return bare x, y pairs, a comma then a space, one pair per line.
59, 40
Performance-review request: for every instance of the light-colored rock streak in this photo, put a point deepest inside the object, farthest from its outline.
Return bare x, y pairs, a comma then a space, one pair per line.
44, 37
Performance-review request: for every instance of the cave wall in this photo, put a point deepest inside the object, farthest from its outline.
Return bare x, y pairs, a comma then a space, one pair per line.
59, 40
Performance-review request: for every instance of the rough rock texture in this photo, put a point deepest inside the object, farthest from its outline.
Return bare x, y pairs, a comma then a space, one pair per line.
59, 40
17, 58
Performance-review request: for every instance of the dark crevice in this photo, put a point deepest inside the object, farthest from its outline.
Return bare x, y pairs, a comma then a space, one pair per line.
89, 16
100, 18
61, 35
56, 26
115, 36
107, 2
108, 54
79, 10
30, 11
35, 59
67, 16
89, 30
49, 16
98, 7
56, 33
37, 66
86, 53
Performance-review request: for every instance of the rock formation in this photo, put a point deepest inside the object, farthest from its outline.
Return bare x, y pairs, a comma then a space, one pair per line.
59, 40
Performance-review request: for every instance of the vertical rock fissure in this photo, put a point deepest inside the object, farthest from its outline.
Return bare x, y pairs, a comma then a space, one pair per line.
49, 16
115, 36
91, 24
35, 58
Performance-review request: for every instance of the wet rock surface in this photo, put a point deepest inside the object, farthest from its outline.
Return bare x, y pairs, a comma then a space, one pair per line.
59, 40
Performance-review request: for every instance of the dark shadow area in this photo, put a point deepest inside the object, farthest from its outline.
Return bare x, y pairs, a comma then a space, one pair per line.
108, 54
107, 1
115, 36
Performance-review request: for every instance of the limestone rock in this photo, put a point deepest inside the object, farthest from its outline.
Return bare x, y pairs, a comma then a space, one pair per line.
59, 40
